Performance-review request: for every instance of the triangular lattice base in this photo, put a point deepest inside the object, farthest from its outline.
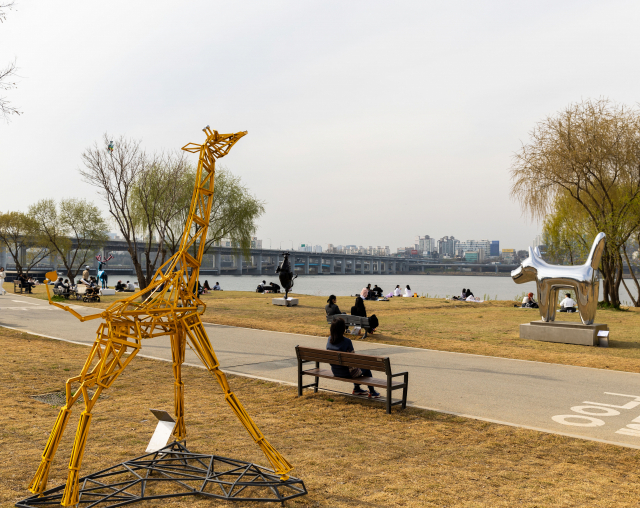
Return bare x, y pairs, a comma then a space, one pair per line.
174, 471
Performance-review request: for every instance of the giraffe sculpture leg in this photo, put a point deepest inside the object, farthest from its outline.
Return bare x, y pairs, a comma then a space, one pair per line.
178, 343
108, 354
199, 341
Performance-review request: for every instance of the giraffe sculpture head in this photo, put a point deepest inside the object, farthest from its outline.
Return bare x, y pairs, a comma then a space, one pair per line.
219, 144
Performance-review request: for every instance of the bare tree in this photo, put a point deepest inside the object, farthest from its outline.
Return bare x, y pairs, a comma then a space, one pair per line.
115, 174
7, 74
590, 154
74, 232
156, 200
20, 233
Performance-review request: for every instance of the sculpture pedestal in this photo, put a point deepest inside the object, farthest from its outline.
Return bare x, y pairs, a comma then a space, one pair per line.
563, 332
289, 302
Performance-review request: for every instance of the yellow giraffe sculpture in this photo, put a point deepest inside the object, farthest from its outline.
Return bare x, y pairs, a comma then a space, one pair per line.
170, 307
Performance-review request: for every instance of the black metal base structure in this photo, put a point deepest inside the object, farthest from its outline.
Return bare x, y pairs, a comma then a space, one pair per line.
174, 471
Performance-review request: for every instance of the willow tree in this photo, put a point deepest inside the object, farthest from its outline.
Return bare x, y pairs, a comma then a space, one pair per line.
589, 154
567, 232
234, 213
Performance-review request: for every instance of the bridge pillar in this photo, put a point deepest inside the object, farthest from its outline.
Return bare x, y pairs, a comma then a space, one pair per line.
319, 271
259, 263
362, 266
344, 266
332, 266
218, 261
386, 266
353, 265
306, 264
238, 257
394, 267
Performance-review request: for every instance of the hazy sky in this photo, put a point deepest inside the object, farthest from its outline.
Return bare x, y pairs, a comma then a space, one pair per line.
369, 122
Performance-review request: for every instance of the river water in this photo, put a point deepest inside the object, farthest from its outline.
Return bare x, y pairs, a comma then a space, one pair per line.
501, 288
486, 287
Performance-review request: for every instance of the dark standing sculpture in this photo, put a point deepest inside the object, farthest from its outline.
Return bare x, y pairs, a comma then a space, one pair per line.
286, 275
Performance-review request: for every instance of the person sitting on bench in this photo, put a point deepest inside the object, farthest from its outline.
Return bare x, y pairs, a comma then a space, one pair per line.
360, 310
59, 284
568, 304
331, 308
24, 282
338, 342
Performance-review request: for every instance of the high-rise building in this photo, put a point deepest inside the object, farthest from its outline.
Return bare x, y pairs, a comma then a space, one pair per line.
476, 245
494, 249
448, 246
425, 244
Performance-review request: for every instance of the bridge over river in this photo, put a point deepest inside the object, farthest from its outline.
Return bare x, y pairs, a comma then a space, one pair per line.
230, 261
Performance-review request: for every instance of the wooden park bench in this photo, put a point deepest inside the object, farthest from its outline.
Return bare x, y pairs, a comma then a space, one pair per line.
350, 320
375, 363
17, 287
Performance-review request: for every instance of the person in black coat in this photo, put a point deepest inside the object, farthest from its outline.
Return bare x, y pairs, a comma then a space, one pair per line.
359, 309
332, 308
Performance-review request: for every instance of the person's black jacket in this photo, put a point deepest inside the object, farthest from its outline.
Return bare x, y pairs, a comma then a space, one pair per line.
355, 312
332, 309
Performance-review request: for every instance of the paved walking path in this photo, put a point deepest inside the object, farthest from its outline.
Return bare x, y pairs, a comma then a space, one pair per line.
592, 404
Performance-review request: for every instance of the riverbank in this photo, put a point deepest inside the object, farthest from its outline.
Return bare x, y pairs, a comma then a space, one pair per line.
489, 329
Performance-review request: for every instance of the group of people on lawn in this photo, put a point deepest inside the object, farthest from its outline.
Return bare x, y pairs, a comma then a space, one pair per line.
375, 293
566, 305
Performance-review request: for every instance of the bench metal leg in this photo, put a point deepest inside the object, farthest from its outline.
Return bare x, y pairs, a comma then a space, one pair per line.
299, 378
315, 388
404, 390
389, 392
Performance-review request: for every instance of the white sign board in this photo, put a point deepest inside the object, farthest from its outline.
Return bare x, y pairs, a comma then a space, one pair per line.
163, 431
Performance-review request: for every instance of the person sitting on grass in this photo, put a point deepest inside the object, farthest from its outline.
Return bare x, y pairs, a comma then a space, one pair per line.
407, 292
364, 294
338, 342
377, 291
463, 295
216, 287
331, 308
528, 302
120, 286
397, 291
206, 286
568, 304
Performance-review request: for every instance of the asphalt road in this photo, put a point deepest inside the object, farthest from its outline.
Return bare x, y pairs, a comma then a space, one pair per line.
588, 403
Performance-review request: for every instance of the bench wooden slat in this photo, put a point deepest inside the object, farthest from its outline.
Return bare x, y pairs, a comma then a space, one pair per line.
377, 363
364, 380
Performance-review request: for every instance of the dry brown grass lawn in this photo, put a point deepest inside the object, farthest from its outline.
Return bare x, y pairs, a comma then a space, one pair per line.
348, 451
490, 328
